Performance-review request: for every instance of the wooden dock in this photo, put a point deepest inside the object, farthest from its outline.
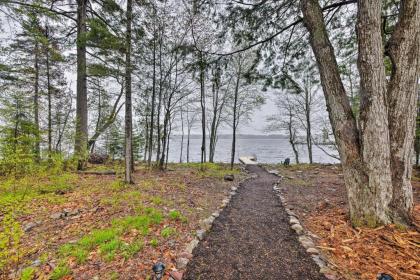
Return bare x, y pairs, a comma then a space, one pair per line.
248, 160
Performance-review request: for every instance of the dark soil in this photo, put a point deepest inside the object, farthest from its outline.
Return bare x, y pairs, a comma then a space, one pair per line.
252, 239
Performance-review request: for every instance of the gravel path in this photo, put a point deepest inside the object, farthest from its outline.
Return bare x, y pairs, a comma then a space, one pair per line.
251, 239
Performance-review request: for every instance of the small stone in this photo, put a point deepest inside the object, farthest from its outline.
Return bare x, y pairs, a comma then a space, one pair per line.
216, 214
293, 220
181, 263
171, 243
325, 270
70, 213
185, 255
206, 223
318, 261
191, 246
56, 216
298, 228
36, 263
274, 172
232, 193
229, 177
306, 242
95, 277
313, 235
226, 200
200, 234
233, 188
176, 275
330, 276
29, 226
291, 213
313, 251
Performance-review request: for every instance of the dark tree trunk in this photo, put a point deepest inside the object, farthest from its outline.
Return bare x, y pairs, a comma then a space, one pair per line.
292, 137
36, 104
203, 109
98, 119
235, 118
182, 138
109, 121
164, 139
375, 158
308, 124
152, 114
128, 106
404, 51
213, 128
49, 94
189, 126
167, 145
81, 137
417, 137
160, 99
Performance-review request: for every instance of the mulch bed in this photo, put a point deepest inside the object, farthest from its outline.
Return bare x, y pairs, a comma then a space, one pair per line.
252, 239
317, 194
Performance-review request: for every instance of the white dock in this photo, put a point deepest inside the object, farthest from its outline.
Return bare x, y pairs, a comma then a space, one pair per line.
248, 160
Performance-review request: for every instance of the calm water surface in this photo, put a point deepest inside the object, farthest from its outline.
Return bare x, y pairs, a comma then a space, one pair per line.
267, 150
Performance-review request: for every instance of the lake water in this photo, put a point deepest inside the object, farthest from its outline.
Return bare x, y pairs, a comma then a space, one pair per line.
267, 150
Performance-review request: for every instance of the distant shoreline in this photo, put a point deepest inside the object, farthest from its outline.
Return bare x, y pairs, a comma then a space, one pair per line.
238, 136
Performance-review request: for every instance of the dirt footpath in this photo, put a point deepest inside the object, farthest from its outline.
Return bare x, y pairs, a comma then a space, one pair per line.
252, 239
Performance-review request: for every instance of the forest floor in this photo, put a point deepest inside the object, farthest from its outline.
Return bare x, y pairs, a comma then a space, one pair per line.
317, 194
78, 226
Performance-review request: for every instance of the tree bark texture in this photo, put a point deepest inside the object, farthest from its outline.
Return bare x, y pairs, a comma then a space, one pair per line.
376, 157
81, 137
128, 105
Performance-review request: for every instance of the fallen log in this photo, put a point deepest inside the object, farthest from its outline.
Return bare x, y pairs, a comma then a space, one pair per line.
94, 172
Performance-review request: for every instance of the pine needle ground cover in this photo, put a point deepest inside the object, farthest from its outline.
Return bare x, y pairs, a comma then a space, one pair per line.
82, 226
317, 194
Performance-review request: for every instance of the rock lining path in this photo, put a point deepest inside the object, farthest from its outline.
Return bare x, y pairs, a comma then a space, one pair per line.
252, 239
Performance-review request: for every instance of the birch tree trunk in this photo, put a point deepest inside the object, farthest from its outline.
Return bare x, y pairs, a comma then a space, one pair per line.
376, 157
80, 146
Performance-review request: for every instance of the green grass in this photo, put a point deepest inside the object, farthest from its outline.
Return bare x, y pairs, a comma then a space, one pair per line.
167, 232
177, 216
97, 237
114, 276
59, 272
154, 242
108, 240
28, 273
157, 200
129, 250
72, 250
